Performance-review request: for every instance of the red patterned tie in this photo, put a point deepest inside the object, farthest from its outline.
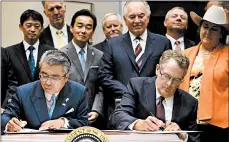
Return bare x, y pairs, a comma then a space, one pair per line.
138, 53
177, 43
160, 109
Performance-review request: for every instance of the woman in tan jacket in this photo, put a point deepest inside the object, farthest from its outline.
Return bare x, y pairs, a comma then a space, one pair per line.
207, 76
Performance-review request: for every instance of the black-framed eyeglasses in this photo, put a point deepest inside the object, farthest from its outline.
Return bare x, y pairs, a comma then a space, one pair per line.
53, 79
167, 78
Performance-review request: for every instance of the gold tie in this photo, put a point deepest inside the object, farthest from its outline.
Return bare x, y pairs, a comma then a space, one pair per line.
60, 40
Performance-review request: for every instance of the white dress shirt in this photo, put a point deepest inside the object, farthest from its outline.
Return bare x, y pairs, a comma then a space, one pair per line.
54, 35
35, 51
172, 40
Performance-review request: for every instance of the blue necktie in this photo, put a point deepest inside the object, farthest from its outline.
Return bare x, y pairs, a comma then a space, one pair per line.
31, 61
82, 59
53, 99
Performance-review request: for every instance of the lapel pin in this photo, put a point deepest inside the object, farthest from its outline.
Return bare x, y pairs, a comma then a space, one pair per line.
93, 53
67, 100
63, 104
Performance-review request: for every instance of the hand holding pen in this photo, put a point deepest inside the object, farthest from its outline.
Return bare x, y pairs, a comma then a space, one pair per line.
15, 125
160, 126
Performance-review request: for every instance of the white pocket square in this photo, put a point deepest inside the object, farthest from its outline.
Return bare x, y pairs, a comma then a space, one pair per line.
94, 67
70, 110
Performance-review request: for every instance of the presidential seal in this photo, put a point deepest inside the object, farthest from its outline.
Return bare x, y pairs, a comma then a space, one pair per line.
86, 134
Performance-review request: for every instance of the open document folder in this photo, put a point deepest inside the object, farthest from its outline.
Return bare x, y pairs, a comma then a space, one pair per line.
33, 131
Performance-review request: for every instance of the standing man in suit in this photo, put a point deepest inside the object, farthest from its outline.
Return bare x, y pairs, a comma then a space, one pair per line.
53, 102
22, 59
133, 54
112, 26
58, 33
153, 102
85, 62
176, 23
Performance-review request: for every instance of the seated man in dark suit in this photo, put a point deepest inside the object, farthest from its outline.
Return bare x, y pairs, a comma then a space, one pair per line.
176, 23
153, 102
58, 33
22, 59
52, 102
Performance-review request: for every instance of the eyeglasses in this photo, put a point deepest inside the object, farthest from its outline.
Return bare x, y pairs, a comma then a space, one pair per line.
53, 79
167, 78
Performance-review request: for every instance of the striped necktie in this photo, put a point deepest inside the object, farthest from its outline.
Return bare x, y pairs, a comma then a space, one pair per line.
138, 53
31, 61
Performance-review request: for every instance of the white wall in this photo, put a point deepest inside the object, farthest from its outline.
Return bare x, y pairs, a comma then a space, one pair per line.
11, 12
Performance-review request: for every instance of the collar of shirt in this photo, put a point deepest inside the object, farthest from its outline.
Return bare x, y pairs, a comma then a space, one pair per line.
54, 30
78, 48
26, 45
172, 40
142, 41
48, 96
35, 51
167, 103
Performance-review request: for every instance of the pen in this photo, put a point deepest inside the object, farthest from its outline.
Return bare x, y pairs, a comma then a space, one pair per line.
161, 128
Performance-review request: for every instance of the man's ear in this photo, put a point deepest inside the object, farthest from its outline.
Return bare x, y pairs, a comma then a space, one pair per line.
157, 69
20, 27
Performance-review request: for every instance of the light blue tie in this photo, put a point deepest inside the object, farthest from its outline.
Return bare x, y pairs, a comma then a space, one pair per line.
82, 59
53, 98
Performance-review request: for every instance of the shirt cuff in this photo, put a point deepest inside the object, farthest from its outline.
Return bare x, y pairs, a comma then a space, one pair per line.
66, 122
131, 126
186, 137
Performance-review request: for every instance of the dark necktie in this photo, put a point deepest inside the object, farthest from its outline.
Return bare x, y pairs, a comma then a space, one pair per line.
138, 53
160, 109
31, 61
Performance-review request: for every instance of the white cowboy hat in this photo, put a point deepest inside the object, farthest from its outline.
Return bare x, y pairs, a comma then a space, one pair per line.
214, 15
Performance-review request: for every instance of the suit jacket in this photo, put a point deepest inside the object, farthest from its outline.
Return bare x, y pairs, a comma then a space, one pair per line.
188, 43
140, 100
19, 72
101, 46
214, 85
46, 36
89, 77
118, 64
29, 104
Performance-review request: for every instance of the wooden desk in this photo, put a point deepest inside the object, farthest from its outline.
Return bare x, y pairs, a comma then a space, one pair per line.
112, 136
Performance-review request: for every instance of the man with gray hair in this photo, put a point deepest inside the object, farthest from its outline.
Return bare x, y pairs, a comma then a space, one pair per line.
133, 54
53, 102
58, 33
112, 26
176, 23
156, 103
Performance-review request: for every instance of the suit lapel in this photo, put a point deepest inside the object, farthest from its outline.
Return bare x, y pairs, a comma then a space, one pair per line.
90, 58
39, 103
62, 103
75, 59
148, 49
127, 45
20, 53
69, 33
48, 37
177, 107
150, 95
